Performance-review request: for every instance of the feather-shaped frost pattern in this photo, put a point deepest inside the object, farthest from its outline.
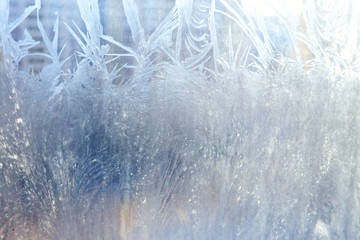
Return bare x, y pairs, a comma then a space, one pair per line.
132, 16
179, 119
90, 13
163, 30
4, 13
14, 51
51, 46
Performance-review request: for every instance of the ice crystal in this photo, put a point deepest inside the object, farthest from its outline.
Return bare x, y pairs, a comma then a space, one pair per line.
221, 122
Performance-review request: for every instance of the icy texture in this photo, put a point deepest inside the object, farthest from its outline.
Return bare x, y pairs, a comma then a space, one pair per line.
220, 123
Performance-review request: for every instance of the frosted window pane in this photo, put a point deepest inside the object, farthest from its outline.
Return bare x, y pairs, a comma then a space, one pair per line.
179, 119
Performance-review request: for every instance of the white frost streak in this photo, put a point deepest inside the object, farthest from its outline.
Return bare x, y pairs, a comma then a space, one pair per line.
132, 17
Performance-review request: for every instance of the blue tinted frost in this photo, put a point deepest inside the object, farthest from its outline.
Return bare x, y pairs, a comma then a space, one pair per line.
222, 122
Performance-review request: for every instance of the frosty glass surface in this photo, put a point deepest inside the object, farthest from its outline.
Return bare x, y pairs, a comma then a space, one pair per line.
179, 119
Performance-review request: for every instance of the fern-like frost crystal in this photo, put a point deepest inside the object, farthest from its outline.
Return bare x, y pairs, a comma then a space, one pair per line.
179, 119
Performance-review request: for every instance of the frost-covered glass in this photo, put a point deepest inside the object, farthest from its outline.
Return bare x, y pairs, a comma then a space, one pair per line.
179, 119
